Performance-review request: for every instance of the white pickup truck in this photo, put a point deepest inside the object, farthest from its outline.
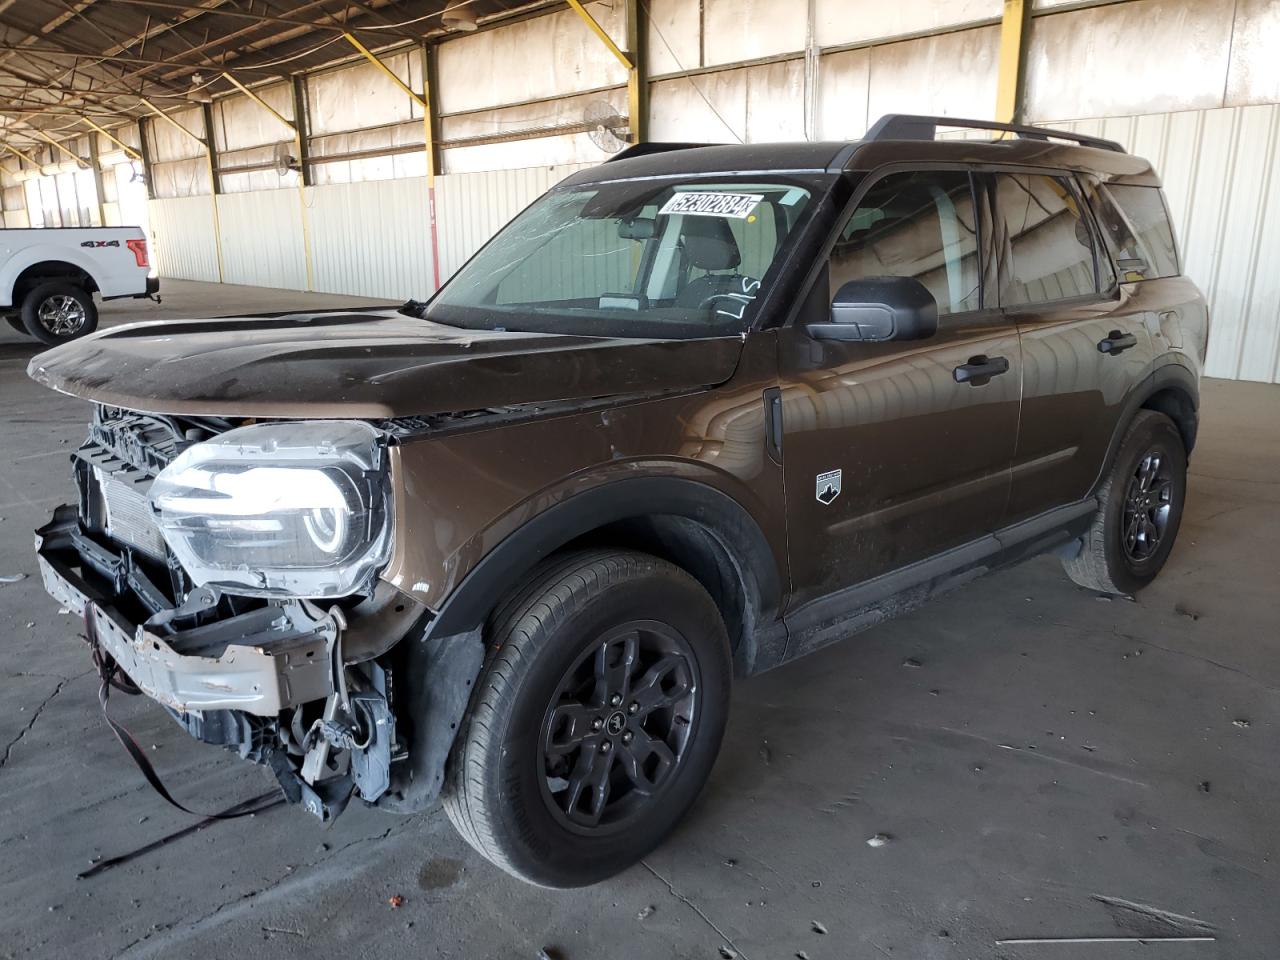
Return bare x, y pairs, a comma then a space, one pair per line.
48, 277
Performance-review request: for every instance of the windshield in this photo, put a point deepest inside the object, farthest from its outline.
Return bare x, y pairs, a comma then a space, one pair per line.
653, 258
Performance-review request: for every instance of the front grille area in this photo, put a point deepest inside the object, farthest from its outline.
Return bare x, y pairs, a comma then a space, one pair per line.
115, 465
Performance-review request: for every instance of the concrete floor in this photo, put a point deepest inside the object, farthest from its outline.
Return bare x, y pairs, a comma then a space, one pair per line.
1044, 762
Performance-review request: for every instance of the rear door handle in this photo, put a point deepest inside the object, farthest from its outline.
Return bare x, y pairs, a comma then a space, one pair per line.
980, 369
1117, 342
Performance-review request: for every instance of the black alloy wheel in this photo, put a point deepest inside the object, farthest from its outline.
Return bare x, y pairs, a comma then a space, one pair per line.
617, 728
1147, 506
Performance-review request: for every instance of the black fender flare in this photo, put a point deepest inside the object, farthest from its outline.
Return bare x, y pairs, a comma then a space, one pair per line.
469, 604
1173, 376
440, 662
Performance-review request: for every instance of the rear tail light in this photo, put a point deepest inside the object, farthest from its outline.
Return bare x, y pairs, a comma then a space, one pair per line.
139, 248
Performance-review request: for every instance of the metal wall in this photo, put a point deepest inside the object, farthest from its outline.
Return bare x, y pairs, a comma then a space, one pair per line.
1221, 172
1192, 83
183, 238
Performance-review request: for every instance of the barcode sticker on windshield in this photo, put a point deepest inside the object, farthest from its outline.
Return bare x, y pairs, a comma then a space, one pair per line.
735, 205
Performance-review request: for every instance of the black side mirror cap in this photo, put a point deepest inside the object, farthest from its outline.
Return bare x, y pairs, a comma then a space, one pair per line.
880, 308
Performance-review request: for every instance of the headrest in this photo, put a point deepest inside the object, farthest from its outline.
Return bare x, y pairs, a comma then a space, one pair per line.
708, 243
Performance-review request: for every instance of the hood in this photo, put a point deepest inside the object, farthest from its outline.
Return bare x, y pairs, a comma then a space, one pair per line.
363, 365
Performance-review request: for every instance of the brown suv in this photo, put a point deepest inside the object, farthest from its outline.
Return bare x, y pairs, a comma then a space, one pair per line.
695, 412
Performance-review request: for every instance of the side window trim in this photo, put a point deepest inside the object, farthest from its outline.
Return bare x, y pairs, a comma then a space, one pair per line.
990, 173
870, 182
818, 272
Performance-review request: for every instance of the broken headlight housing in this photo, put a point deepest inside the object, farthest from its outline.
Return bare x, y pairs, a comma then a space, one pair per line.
279, 509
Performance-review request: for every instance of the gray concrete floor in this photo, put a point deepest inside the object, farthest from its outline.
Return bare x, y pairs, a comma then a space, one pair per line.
1056, 765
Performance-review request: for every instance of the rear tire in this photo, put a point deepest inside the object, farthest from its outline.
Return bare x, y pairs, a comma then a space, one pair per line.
1139, 510
58, 311
596, 720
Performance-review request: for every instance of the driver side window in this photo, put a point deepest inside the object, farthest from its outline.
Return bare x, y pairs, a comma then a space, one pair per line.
918, 224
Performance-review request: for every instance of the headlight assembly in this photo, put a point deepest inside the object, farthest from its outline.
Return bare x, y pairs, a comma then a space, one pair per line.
279, 509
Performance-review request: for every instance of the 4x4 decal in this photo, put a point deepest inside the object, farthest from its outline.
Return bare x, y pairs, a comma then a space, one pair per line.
100, 243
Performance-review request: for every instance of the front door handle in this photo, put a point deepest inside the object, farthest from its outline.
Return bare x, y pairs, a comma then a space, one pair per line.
980, 369
1117, 342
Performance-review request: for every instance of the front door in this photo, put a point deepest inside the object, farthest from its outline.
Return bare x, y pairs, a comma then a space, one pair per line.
890, 455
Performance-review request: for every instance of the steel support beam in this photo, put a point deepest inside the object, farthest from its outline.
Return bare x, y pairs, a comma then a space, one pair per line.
1015, 24
424, 101
638, 74
97, 178
302, 188
211, 165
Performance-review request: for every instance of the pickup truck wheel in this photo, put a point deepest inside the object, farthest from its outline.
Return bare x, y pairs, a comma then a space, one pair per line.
58, 311
596, 720
1139, 510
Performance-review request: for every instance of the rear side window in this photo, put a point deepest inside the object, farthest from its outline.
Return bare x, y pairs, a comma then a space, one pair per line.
1045, 244
1137, 222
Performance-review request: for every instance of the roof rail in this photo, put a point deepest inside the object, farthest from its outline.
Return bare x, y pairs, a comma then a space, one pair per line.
647, 147
905, 126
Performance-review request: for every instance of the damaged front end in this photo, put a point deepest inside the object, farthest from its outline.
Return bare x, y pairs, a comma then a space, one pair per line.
230, 572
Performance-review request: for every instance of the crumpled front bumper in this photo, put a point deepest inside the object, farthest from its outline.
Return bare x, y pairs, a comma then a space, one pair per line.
260, 662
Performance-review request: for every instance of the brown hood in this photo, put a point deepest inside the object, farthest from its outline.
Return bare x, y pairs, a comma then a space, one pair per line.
369, 364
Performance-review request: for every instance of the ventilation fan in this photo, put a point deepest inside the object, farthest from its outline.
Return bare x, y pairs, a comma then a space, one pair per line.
284, 161
607, 128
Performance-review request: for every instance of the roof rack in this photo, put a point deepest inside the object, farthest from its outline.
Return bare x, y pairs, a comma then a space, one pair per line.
646, 147
905, 126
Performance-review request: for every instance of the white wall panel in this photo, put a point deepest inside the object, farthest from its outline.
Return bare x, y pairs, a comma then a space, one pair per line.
545, 56
182, 238
1149, 56
371, 238
761, 103
843, 82
1221, 173
262, 239
950, 75
748, 29
472, 207
1254, 75
853, 21
675, 38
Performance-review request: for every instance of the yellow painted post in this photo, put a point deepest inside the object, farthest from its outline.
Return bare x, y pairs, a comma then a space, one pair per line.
302, 187
1013, 31
429, 145
213, 178
635, 81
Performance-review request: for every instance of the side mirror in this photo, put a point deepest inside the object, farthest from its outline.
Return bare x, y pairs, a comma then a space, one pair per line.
880, 308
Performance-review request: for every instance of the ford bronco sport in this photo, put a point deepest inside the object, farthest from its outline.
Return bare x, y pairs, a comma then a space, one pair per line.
695, 412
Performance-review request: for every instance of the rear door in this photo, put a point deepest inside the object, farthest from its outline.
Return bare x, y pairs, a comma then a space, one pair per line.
1084, 338
887, 458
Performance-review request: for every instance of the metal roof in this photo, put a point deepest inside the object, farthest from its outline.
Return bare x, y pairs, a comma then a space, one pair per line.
62, 60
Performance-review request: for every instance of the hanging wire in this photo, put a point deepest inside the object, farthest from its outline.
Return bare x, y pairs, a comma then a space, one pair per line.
426, 16
692, 81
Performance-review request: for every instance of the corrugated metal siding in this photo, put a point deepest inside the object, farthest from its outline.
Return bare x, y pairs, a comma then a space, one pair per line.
182, 238
371, 238
1219, 169
472, 207
262, 239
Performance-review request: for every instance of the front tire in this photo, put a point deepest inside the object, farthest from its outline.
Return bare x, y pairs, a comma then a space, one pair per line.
596, 720
58, 311
1139, 510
